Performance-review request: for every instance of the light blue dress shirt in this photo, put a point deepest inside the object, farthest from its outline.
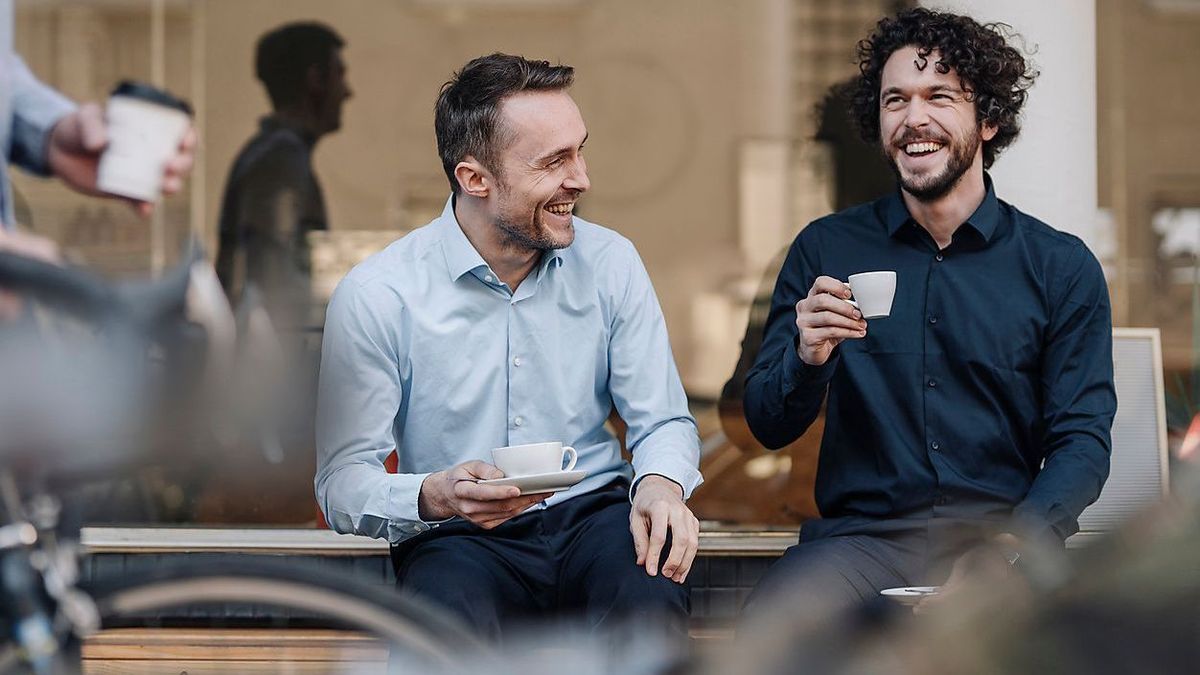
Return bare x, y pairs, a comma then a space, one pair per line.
427, 351
28, 112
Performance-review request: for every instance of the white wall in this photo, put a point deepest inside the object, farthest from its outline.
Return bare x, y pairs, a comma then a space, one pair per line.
1050, 172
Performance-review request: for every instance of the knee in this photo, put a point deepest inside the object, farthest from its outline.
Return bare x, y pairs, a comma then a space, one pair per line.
635, 592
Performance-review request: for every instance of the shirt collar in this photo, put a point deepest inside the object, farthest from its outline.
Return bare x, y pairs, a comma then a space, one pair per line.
984, 219
461, 256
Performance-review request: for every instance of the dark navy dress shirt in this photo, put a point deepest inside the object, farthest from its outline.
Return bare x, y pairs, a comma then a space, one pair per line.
987, 394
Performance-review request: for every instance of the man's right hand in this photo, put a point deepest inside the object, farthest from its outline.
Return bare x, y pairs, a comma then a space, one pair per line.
454, 492
825, 318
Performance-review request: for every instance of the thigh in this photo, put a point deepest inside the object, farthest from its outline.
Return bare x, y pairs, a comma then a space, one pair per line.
599, 570
828, 575
484, 581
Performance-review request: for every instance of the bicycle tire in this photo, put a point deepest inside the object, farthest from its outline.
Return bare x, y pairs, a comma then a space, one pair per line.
404, 622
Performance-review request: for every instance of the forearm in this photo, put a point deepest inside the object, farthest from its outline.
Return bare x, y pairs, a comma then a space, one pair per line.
784, 395
36, 110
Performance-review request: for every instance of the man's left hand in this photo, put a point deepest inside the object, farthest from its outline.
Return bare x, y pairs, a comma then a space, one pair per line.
658, 508
77, 141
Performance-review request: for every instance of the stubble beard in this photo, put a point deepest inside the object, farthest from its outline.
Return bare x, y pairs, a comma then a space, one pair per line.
932, 188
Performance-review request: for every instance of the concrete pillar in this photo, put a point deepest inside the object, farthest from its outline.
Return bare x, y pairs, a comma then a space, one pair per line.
1050, 171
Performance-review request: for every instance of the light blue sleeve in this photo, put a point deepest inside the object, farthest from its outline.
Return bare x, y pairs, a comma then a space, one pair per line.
645, 385
35, 109
360, 394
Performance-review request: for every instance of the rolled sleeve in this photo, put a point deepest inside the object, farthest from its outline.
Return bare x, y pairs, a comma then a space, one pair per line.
646, 388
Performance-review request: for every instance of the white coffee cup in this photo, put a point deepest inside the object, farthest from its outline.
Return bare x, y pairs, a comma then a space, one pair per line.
533, 458
145, 126
873, 293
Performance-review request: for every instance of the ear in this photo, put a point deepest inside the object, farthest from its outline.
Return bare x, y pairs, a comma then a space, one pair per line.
314, 79
473, 178
989, 131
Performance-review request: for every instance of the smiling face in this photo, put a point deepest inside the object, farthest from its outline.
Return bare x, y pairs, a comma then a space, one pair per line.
927, 124
540, 170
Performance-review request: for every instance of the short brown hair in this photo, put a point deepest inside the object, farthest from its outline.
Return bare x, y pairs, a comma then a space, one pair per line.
467, 115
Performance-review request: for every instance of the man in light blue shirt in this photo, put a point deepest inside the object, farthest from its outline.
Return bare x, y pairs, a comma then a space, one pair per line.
508, 321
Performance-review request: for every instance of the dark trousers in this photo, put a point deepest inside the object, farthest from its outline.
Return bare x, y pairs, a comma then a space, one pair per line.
830, 574
575, 557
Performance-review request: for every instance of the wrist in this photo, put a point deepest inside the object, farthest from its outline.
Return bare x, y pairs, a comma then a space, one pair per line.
655, 480
430, 505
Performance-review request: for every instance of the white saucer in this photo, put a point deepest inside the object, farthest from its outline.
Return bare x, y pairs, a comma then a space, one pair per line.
555, 481
910, 595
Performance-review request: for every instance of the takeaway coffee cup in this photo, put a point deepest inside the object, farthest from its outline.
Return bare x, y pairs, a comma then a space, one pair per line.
533, 458
145, 126
873, 293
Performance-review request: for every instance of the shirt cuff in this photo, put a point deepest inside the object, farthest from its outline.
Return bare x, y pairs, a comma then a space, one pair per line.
796, 372
677, 471
1045, 525
405, 493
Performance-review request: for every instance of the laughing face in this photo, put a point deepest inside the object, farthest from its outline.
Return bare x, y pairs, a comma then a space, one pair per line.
541, 172
927, 124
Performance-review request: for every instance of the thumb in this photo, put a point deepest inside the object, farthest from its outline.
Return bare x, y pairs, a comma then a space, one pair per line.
93, 135
481, 470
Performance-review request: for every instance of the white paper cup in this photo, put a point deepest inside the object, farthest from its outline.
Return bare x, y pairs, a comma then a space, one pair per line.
533, 458
145, 126
873, 293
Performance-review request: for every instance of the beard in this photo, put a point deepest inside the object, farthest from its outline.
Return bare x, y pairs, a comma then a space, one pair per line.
528, 232
931, 187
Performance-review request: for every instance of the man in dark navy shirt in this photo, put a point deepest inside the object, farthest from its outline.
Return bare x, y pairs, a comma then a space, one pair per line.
980, 409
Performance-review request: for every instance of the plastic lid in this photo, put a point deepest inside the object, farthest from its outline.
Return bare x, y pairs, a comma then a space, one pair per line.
146, 92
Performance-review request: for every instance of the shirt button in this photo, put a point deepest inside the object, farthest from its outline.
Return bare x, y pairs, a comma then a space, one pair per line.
932, 319
942, 500
932, 382
517, 361
489, 278
518, 420
935, 445
939, 257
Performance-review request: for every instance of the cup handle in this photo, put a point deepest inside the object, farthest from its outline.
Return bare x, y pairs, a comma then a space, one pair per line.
852, 303
568, 450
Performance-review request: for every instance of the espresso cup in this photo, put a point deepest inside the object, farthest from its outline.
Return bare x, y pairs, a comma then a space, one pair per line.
145, 126
873, 293
533, 458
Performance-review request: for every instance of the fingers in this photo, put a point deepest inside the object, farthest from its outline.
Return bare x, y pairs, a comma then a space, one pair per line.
468, 489
658, 537
641, 536
829, 285
476, 469
689, 556
93, 136
685, 540
492, 513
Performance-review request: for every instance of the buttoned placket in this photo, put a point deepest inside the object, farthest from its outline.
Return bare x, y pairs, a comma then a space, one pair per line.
934, 400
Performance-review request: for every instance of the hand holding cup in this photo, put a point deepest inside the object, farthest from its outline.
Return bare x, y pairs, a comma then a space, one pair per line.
825, 318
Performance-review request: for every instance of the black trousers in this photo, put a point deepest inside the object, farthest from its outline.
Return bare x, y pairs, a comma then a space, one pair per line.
575, 558
830, 574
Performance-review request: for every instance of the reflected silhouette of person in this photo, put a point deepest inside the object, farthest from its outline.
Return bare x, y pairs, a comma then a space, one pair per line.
272, 197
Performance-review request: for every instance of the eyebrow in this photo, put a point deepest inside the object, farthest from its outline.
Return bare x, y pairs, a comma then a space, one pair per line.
562, 151
932, 89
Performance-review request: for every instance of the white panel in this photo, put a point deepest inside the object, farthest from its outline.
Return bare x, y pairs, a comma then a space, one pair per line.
1137, 477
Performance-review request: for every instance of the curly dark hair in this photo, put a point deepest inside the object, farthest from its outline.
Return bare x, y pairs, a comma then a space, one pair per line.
995, 74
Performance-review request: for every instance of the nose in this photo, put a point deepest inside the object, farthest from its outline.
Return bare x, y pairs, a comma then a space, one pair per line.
916, 114
577, 178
